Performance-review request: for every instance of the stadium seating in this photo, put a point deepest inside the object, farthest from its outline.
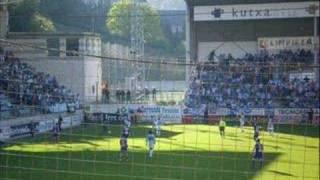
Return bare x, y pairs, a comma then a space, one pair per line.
5, 106
27, 90
254, 81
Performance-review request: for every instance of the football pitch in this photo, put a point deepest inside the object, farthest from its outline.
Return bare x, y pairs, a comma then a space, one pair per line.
186, 152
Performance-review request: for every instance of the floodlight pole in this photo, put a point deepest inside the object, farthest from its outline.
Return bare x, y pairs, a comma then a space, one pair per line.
316, 47
137, 38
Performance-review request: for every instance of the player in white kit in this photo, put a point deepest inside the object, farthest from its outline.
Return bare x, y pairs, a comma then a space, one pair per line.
151, 141
127, 121
270, 125
157, 125
242, 121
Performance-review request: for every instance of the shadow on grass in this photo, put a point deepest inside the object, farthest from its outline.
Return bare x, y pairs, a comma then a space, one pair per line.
293, 129
188, 163
96, 165
300, 130
281, 173
88, 133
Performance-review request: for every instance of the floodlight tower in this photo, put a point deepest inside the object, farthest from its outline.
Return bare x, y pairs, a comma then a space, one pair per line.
137, 39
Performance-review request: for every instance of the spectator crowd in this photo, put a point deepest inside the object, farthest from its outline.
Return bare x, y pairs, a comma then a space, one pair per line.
24, 86
254, 81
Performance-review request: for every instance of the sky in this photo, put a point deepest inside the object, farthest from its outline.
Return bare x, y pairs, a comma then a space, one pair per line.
168, 4
159, 4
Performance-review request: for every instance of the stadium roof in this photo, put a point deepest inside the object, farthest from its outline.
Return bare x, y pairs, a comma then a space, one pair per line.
223, 2
46, 34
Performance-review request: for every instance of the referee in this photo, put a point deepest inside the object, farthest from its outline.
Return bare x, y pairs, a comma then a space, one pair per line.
222, 127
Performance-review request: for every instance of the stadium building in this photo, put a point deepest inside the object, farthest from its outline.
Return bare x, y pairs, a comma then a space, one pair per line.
239, 27
244, 34
71, 55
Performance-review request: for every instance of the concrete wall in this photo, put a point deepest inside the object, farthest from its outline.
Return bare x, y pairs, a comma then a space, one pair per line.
26, 48
251, 30
92, 79
69, 73
81, 74
167, 85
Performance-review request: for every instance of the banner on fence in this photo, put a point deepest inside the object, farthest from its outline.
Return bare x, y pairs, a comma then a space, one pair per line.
19, 130
5, 133
45, 126
171, 114
41, 126
175, 113
143, 112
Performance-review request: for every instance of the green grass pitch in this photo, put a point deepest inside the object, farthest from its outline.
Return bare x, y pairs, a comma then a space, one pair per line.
186, 152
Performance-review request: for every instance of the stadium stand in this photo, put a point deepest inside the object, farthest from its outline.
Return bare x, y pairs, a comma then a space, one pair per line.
254, 81
23, 90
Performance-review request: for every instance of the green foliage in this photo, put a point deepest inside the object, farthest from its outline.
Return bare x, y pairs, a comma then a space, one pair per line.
65, 11
25, 17
118, 21
162, 103
166, 103
172, 102
40, 23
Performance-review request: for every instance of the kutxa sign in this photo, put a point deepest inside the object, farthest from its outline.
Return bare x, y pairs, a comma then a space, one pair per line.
256, 11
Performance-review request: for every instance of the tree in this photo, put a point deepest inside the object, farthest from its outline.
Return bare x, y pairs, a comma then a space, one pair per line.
25, 17
118, 21
40, 23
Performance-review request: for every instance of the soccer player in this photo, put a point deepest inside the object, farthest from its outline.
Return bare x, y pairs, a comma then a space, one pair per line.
242, 122
270, 125
126, 131
60, 120
56, 132
310, 116
123, 147
255, 129
257, 153
256, 133
222, 127
32, 128
151, 141
254, 123
126, 121
157, 125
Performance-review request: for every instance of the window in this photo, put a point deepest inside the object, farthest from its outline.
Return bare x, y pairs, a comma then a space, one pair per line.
53, 44
72, 46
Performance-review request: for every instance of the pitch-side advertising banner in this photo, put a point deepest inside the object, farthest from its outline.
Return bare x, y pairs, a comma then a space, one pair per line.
169, 114
41, 126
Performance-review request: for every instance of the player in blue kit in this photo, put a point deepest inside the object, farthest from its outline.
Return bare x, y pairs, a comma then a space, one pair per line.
257, 153
151, 141
123, 147
56, 132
